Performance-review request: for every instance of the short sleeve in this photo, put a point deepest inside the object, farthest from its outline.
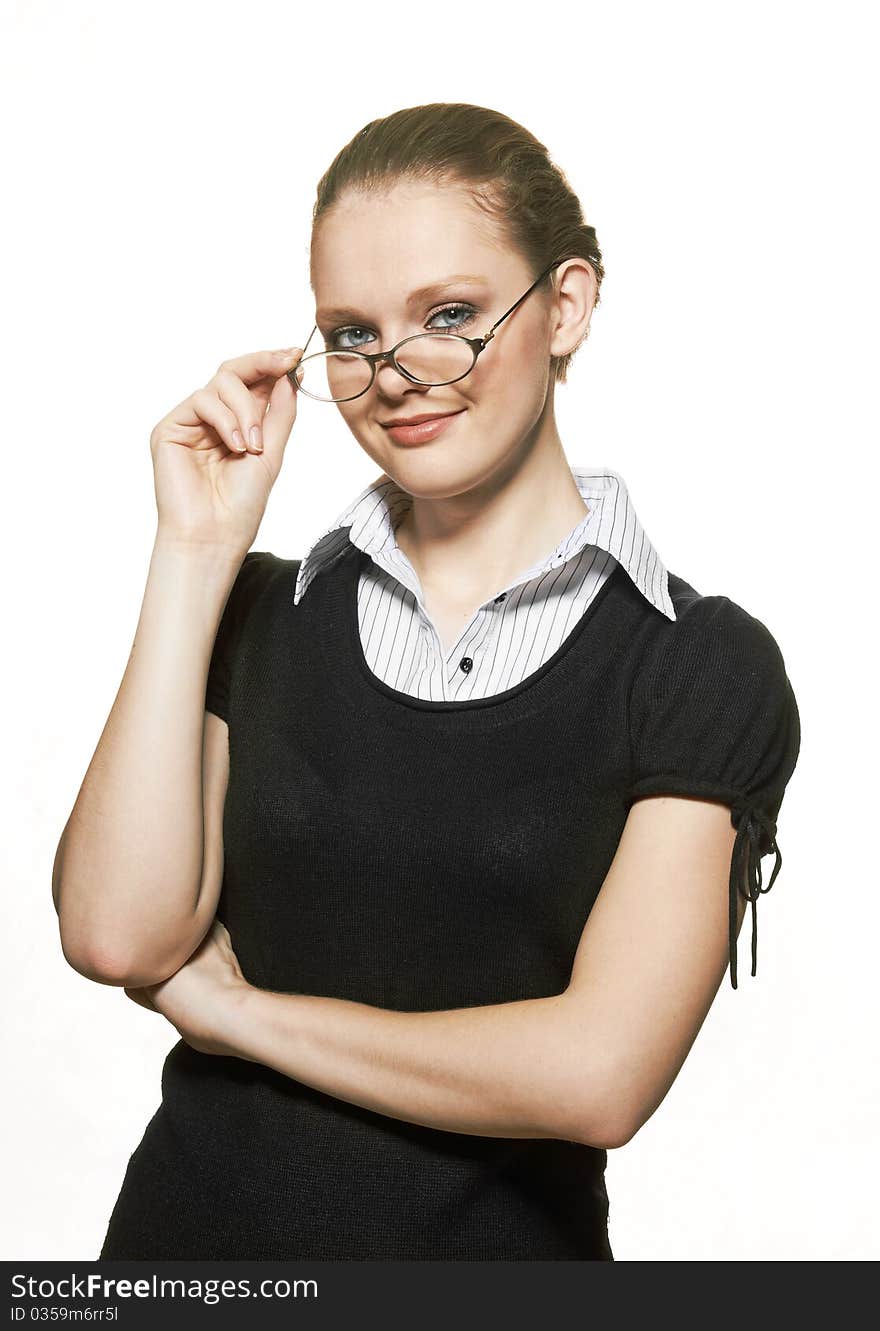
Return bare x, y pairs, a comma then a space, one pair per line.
243, 593
713, 715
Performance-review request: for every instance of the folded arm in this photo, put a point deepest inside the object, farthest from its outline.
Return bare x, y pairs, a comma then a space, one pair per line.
590, 1064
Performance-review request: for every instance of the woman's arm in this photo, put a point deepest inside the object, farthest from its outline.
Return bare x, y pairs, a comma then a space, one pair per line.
505, 1070
129, 867
591, 1064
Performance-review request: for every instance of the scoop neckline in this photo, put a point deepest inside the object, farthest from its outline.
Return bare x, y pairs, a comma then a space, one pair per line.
535, 684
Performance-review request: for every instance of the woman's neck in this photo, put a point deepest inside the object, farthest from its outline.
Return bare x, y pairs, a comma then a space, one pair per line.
464, 548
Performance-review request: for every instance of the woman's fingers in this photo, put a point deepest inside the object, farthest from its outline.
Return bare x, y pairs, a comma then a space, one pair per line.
232, 409
232, 382
280, 415
211, 409
256, 365
245, 408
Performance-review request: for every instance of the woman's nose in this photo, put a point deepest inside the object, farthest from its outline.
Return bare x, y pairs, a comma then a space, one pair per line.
390, 379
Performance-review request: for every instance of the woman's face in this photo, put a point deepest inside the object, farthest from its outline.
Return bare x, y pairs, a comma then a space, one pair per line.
370, 253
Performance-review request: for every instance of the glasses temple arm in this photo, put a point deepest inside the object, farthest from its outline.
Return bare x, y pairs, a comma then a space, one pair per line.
487, 337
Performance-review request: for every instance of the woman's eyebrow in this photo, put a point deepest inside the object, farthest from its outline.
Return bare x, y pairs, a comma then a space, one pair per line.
414, 298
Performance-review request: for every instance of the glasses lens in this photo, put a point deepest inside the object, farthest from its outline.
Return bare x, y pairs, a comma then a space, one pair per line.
333, 376
431, 358
435, 358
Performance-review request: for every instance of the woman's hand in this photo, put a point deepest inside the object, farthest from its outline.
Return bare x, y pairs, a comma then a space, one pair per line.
211, 486
199, 997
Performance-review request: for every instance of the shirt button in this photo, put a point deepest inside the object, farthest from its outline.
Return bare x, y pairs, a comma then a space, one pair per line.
501, 597
465, 664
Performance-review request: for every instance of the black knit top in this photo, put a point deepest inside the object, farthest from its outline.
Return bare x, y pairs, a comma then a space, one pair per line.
420, 855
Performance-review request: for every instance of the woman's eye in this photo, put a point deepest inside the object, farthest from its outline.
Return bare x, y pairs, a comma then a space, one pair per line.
335, 344
465, 312
355, 338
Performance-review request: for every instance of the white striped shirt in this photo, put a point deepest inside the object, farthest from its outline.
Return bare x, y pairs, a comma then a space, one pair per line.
513, 633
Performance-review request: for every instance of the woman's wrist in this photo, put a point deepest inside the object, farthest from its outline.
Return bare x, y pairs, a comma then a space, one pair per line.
239, 1017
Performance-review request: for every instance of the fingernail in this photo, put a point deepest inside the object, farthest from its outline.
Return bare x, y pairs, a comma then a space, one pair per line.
237, 441
256, 438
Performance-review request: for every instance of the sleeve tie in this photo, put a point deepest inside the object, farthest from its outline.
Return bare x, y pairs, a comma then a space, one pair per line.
745, 871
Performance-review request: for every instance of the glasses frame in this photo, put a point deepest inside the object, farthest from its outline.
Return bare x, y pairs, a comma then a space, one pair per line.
376, 358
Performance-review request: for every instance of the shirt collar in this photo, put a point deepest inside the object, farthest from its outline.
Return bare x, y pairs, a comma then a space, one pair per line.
610, 523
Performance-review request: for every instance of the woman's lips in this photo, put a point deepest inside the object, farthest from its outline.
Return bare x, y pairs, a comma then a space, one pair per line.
419, 434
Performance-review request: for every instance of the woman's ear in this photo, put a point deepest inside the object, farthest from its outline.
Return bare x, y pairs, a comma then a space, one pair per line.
575, 295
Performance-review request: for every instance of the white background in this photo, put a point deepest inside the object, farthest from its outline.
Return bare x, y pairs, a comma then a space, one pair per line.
160, 164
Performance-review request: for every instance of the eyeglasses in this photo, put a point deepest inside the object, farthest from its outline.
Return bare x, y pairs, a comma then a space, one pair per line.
431, 359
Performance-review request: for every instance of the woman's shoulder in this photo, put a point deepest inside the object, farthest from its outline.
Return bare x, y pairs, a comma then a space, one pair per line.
242, 620
259, 569
715, 657
715, 625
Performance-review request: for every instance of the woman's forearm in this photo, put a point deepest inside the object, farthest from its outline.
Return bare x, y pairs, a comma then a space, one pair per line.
129, 866
506, 1070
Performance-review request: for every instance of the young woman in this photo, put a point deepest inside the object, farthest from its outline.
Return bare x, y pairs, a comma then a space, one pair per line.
434, 845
